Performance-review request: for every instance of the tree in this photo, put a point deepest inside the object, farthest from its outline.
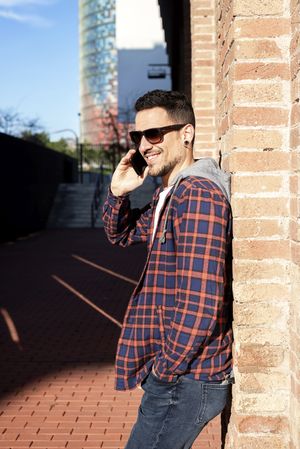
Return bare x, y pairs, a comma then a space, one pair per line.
31, 130
42, 138
10, 122
62, 146
33, 125
119, 134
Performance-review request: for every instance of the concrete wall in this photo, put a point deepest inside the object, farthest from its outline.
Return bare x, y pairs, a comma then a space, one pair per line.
29, 178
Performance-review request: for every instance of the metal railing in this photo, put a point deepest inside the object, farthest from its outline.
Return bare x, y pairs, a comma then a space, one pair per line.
96, 201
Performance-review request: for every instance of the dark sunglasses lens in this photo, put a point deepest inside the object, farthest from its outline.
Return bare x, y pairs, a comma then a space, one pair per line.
153, 135
136, 137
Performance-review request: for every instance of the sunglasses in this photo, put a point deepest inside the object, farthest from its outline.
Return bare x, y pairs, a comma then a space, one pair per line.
153, 135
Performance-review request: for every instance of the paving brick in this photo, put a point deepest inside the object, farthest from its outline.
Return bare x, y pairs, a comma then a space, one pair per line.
58, 392
48, 445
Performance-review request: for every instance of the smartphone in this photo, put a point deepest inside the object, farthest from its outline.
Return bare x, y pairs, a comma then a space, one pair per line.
138, 163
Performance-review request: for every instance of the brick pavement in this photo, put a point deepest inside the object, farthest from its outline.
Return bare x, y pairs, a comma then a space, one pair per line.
59, 326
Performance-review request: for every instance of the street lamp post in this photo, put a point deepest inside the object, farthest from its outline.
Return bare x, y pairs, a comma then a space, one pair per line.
78, 149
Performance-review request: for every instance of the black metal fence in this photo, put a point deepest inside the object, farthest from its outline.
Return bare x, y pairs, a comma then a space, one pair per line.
98, 157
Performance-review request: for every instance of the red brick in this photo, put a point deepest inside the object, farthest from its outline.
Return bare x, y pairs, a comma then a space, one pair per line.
295, 116
257, 184
258, 270
257, 49
263, 442
256, 92
260, 292
258, 8
261, 27
260, 356
261, 249
259, 161
48, 444
110, 444
256, 139
260, 207
259, 116
261, 70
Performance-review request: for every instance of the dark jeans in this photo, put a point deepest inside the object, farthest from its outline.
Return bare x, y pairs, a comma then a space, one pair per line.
172, 415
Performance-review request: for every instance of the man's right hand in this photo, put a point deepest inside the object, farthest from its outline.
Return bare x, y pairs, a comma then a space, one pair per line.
125, 179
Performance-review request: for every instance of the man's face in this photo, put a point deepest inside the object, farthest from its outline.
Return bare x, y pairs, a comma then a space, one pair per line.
167, 157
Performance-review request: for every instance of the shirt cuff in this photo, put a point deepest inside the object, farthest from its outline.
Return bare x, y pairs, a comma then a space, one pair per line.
113, 199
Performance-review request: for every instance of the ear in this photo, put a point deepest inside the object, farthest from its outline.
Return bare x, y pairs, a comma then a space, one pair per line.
188, 134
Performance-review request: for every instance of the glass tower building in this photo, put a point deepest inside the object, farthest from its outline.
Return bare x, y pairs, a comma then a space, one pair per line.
98, 69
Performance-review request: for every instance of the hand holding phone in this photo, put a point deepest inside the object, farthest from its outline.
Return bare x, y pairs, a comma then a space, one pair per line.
124, 179
138, 163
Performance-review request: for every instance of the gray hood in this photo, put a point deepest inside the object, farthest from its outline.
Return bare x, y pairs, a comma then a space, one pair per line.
209, 169
203, 168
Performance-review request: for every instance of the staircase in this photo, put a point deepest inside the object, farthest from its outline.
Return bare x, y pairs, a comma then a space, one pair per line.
72, 206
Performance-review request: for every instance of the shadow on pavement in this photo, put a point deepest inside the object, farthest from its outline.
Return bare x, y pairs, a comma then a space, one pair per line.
57, 309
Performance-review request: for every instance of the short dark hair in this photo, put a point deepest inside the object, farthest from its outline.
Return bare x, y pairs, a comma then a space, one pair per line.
177, 104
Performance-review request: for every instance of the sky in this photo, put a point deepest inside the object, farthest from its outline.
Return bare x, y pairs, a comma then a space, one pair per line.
39, 54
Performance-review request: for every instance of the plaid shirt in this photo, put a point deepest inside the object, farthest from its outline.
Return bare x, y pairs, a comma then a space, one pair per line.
178, 320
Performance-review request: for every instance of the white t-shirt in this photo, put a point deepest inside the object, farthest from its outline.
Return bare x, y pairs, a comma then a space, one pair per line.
161, 200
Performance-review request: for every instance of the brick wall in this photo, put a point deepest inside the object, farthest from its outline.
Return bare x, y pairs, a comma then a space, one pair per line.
245, 89
294, 225
203, 75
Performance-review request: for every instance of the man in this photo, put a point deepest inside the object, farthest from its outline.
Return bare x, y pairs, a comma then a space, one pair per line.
176, 337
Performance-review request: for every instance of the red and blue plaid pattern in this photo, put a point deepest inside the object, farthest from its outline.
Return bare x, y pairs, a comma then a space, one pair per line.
178, 320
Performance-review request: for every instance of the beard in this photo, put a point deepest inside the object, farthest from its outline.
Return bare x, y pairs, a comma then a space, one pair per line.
164, 169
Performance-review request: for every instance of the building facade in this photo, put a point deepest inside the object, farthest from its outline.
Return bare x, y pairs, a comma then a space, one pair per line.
98, 69
111, 78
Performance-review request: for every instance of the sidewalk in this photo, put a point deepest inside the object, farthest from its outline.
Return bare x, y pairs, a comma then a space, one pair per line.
60, 316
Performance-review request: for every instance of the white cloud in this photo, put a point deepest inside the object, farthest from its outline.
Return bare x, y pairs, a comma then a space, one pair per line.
25, 11
34, 20
12, 3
